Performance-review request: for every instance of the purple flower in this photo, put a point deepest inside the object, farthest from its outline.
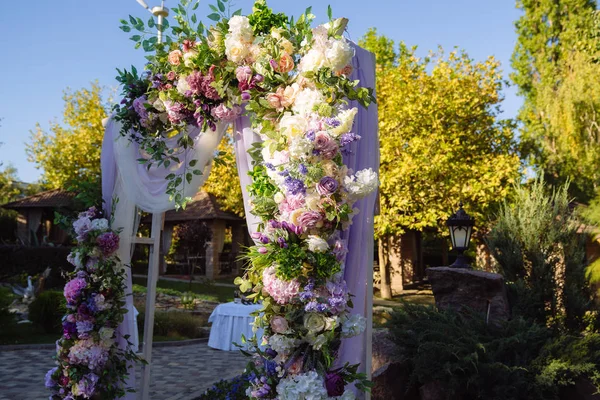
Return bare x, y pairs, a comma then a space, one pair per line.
334, 384
82, 226
108, 243
282, 243
348, 138
263, 250
302, 169
87, 385
291, 228
258, 78
246, 96
334, 122
138, 106
274, 64
69, 330
243, 74
310, 135
49, 381
226, 114
327, 185
176, 111
195, 80
309, 219
83, 328
274, 224
209, 91
294, 186
73, 290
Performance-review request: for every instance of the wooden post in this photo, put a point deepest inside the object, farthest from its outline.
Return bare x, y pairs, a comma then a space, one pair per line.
369, 330
153, 262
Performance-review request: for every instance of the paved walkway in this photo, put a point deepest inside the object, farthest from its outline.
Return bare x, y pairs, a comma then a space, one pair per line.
178, 373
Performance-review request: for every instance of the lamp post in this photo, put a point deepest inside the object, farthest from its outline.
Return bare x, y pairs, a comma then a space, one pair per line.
460, 225
159, 12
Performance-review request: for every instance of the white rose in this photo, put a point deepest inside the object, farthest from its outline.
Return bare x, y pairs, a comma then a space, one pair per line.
317, 244
182, 85
313, 202
293, 125
314, 322
361, 184
235, 50
300, 147
100, 224
279, 197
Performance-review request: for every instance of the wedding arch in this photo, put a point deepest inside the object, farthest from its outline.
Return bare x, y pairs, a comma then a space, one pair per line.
304, 124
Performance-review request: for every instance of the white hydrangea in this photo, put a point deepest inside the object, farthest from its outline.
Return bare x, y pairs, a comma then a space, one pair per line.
307, 386
362, 183
353, 325
346, 118
100, 224
282, 344
312, 60
188, 58
317, 244
339, 53
240, 27
306, 101
300, 147
106, 336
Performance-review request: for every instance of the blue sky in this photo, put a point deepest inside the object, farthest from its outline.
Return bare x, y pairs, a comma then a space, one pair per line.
51, 45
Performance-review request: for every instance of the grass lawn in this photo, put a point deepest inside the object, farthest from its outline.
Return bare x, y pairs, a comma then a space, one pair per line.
204, 291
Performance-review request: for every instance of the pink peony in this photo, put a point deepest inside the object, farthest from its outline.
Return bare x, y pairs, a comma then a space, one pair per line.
108, 243
310, 219
73, 290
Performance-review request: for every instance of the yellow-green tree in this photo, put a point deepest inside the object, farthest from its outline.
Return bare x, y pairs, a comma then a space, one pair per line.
441, 138
223, 180
69, 153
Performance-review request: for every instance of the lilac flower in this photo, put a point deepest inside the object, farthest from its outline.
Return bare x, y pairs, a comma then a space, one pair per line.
138, 106
274, 224
282, 243
108, 243
195, 80
69, 330
270, 367
261, 388
348, 138
302, 169
225, 114
327, 185
333, 122
246, 96
258, 78
309, 219
49, 381
83, 328
176, 112
294, 186
73, 290
310, 135
314, 306
82, 226
291, 228
87, 385
269, 166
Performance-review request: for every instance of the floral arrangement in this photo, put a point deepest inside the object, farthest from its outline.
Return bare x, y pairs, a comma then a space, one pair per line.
293, 82
89, 359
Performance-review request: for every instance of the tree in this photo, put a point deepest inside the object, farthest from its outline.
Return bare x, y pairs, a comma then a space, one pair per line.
223, 180
69, 154
556, 70
442, 140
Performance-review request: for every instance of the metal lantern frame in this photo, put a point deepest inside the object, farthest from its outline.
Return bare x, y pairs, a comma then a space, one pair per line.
460, 225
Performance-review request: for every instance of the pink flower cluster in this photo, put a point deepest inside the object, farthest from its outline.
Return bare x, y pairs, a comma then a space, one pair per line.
283, 292
73, 290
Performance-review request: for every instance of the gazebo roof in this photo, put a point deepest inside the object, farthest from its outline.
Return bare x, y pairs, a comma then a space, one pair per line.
50, 199
204, 206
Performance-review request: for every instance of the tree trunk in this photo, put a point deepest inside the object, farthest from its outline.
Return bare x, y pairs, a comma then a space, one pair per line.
384, 268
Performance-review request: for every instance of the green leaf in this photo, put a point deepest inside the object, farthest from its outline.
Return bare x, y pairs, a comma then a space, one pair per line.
221, 5
135, 38
329, 12
132, 20
212, 7
151, 23
196, 5
194, 19
193, 163
237, 12
214, 17
125, 28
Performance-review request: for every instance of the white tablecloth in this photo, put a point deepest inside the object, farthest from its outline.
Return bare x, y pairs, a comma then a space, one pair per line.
229, 322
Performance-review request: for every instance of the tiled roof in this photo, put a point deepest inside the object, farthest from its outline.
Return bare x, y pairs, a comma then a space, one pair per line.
203, 207
51, 199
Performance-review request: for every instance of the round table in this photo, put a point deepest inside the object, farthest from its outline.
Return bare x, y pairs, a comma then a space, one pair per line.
229, 322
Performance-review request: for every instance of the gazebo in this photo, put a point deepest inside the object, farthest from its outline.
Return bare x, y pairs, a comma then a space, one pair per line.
35, 222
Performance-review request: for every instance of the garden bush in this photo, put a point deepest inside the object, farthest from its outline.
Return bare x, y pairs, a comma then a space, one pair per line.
47, 310
514, 360
232, 389
21, 261
6, 299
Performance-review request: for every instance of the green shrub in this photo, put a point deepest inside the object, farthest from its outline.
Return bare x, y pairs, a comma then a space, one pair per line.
542, 256
6, 299
233, 389
515, 360
175, 324
47, 310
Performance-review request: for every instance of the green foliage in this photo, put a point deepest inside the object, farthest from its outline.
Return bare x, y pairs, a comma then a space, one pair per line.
442, 139
174, 324
6, 299
263, 19
556, 70
514, 360
47, 310
542, 256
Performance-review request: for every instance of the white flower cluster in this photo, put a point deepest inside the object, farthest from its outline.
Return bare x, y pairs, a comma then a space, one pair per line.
353, 325
282, 344
317, 244
326, 52
239, 39
362, 183
306, 100
308, 386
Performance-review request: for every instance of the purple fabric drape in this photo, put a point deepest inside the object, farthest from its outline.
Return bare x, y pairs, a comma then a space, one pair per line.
360, 242
365, 154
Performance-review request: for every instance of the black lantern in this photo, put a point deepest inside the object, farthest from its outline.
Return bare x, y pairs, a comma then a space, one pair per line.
461, 226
